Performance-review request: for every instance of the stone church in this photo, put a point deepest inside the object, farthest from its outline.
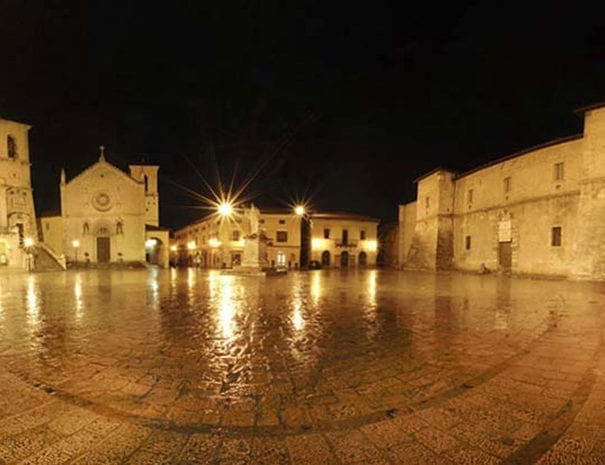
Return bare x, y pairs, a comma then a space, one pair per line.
108, 217
17, 216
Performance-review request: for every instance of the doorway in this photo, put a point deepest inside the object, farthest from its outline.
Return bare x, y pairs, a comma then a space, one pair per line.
325, 259
344, 259
505, 255
363, 259
103, 251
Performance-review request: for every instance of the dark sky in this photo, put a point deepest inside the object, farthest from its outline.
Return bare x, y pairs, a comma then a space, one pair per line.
346, 102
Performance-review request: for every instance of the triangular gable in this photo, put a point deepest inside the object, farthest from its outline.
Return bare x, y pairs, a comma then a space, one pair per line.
106, 165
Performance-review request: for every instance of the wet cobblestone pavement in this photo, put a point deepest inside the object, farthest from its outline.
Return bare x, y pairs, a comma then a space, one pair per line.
325, 367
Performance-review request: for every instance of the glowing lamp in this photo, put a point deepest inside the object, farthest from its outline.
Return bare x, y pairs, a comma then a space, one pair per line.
28, 242
372, 246
213, 242
299, 210
150, 243
173, 248
316, 243
225, 209
191, 245
75, 243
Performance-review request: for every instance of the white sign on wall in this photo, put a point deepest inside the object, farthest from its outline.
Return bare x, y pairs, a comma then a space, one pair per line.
504, 231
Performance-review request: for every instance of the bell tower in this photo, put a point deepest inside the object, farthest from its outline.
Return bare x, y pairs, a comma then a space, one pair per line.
16, 196
148, 175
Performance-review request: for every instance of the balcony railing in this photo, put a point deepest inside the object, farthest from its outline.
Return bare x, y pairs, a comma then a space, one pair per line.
341, 243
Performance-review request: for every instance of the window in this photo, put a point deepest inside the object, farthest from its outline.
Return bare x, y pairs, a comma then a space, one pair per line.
362, 235
327, 233
261, 221
559, 172
469, 196
345, 237
282, 236
467, 242
282, 221
555, 236
11, 147
507, 184
235, 235
427, 202
146, 179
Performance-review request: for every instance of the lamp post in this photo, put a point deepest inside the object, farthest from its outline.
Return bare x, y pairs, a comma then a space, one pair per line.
76, 245
301, 212
224, 210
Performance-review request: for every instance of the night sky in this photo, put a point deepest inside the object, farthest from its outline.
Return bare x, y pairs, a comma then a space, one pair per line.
345, 103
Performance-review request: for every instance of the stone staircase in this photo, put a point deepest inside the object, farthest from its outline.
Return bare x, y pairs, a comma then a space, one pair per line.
46, 259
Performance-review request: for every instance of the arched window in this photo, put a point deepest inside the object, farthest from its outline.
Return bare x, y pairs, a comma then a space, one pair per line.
11, 147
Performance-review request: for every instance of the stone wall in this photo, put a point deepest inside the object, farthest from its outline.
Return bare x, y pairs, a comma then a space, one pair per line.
532, 196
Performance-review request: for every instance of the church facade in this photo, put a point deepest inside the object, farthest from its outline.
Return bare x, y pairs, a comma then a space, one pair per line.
537, 212
17, 215
108, 217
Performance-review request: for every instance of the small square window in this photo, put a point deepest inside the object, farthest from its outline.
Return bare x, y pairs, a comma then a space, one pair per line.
507, 184
427, 202
327, 233
261, 221
282, 236
556, 236
362, 235
282, 221
559, 171
467, 242
235, 235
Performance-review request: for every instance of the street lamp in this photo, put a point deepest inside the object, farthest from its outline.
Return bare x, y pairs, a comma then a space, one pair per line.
301, 211
225, 209
76, 244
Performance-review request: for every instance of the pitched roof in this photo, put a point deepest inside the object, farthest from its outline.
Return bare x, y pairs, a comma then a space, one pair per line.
103, 162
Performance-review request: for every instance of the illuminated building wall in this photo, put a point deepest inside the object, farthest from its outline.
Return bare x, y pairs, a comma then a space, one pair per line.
540, 211
106, 212
343, 240
215, 242
17, 215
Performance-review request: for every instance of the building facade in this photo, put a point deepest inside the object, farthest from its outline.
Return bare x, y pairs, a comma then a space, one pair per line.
343, 240
108, 216
540, 211
217, 242
17, 214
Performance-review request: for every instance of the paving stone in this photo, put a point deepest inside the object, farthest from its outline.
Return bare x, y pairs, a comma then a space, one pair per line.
413, 369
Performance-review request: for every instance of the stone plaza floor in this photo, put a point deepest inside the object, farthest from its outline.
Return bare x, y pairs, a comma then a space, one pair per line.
323, 367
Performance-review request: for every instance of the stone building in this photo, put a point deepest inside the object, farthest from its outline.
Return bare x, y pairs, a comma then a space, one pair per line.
343, 240
540, 211
17, 215
215, 242
108, 216
336, 240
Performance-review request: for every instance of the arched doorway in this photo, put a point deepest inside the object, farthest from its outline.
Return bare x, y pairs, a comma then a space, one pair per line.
153, 251
363, 259
325, 259
103, 245
344, 259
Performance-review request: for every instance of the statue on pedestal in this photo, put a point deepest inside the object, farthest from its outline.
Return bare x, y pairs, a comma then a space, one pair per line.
255, 243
